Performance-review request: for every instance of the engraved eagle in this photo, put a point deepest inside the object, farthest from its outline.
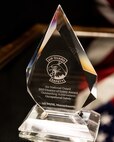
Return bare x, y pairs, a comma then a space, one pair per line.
57, 71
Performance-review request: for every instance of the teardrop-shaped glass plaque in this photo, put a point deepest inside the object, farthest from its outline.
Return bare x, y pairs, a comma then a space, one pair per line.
60, 68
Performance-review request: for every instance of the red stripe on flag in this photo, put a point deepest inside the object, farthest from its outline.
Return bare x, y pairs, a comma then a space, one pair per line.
112, 101
105, 72
107, 62
111, 3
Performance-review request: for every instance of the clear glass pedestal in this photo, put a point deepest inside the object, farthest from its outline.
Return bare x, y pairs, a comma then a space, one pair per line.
60, 126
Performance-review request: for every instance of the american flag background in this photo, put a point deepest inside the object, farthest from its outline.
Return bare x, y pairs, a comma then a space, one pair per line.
101, 54
103, 61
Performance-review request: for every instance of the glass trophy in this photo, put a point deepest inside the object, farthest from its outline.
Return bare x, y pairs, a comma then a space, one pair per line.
56, 75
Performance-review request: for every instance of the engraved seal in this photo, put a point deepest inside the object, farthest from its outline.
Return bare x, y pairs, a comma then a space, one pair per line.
57, 69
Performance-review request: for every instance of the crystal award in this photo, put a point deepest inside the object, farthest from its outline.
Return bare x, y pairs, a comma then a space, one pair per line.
56, 75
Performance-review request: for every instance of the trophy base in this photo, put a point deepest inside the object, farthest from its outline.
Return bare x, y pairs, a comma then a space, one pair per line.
60, 126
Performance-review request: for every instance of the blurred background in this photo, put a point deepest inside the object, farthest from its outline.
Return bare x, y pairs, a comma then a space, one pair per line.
21, 27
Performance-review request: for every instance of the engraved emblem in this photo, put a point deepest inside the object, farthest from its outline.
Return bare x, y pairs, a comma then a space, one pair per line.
57, 69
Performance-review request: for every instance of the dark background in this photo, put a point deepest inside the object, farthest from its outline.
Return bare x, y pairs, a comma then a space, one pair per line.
15, 18
18, 16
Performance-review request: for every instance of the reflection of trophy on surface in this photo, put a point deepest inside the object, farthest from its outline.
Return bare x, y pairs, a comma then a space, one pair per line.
54, 80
